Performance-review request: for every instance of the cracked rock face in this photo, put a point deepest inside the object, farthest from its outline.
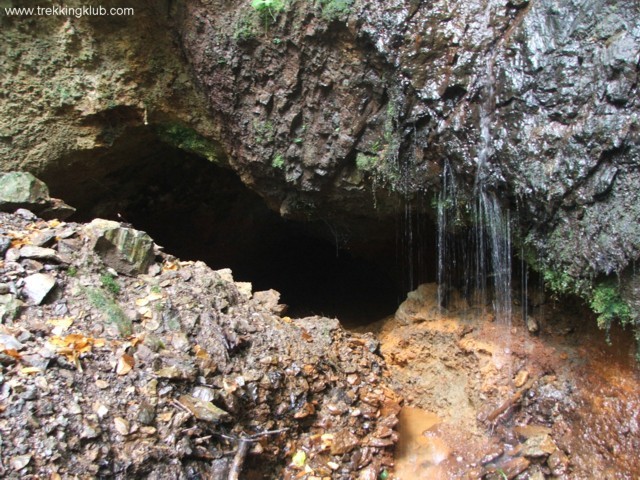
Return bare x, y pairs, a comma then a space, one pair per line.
318, 109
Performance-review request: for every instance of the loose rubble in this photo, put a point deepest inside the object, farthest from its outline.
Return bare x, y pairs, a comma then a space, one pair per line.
120, 361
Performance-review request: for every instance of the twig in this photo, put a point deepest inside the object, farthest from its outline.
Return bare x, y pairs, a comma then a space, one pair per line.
238, 459
511, 401
180, 406
243, 449
202, 439
256, 436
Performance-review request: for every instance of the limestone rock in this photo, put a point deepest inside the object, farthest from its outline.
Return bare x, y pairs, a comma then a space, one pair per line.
271, 300
244, 289
558, 463
343, 442
539, 446
39, 253
38, 286
22, 190
5, 244
203, 410
126, 250
532, 325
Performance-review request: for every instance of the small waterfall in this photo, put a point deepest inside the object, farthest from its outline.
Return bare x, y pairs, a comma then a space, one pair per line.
524, 288
492, 231
494, 254
490, 238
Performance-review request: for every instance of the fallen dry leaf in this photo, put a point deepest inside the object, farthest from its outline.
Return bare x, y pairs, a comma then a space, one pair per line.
165, 416
11, 352
305, 336
201, 353
125, 364
170, 266
74, 345
61, 325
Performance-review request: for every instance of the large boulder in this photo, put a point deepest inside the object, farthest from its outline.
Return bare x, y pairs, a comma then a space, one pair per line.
126, 250
22, 190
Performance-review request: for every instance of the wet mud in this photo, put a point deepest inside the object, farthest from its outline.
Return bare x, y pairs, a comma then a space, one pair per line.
492, 400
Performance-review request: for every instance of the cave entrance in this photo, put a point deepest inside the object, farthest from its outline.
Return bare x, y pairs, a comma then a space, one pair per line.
199, 211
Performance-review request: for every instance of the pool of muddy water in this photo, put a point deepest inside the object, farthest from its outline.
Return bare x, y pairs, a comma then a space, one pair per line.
494, 401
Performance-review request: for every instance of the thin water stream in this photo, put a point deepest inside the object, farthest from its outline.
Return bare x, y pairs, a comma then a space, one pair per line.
490, 239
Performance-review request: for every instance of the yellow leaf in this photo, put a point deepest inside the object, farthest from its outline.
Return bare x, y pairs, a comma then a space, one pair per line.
30, 370
61, 324
74, 345
19, 242
57, 341
84, 349
299, 459
201, 353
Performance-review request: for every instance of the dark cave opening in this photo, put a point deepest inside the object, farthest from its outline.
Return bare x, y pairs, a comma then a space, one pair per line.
199, 211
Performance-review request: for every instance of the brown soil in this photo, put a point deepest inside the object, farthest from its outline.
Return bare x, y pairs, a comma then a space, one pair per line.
485, 399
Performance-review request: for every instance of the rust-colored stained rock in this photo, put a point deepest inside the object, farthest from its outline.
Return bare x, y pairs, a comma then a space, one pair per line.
343, 442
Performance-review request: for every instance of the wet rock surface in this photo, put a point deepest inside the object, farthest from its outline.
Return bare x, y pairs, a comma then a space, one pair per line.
176, 373
321, 108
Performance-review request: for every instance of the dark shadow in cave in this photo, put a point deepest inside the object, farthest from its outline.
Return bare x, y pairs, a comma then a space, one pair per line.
199, 211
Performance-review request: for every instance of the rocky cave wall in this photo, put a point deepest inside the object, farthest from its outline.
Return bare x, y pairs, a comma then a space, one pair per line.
326, 102
81, 97
344, 110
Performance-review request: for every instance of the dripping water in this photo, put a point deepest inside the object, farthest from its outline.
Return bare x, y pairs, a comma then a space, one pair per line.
492, 232
446, 211
412, 225
491, 236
